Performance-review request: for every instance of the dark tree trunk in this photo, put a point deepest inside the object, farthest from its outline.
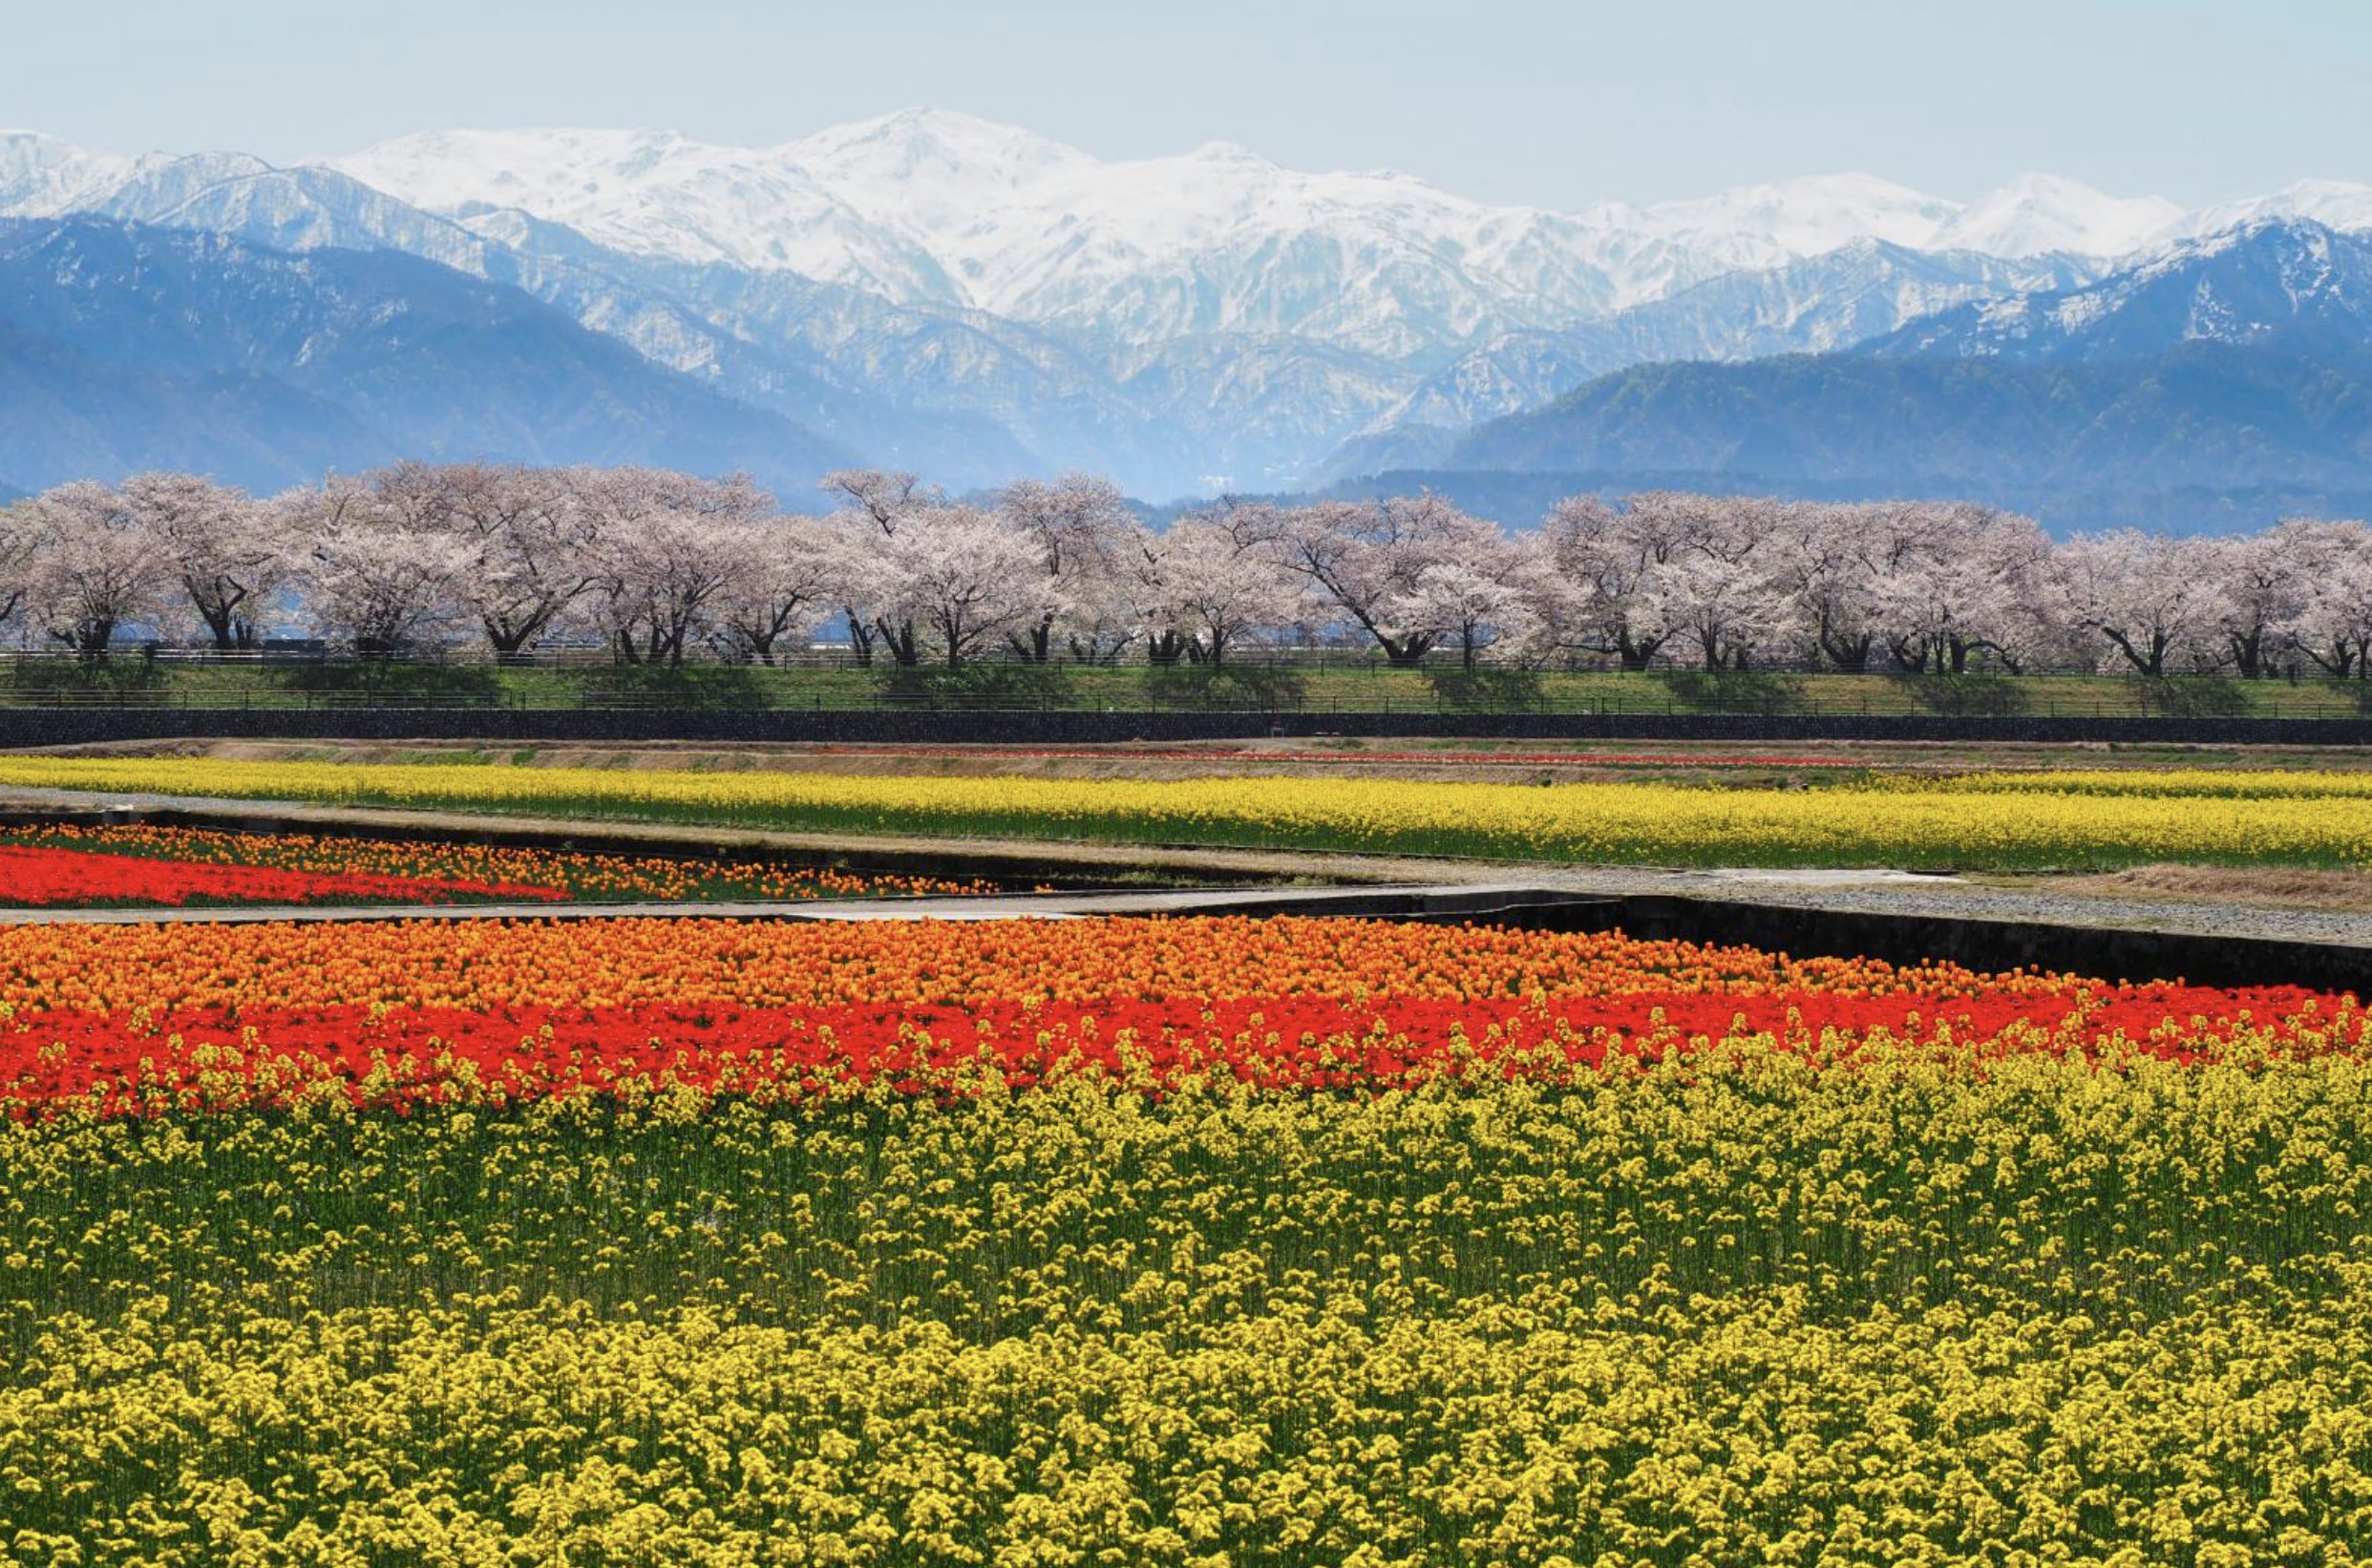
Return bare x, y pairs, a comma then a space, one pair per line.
1850, 654
2248, 652
859, 640
1636, 654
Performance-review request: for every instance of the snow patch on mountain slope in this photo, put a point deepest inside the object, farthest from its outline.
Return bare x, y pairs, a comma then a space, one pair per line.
2040, 214
2334, 203
932, 208
41, 176
657, 192
1765, 225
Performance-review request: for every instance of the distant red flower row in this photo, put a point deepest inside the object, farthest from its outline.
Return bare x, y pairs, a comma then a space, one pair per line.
1184, 754
213, 1056
45, 878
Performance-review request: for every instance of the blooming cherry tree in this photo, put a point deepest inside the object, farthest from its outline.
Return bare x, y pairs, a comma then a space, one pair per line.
1082, 529
2153, 598
1214, 583
792, 572
369, 568
94, 566
1486, 601
1361, 557
665, 545
223, 547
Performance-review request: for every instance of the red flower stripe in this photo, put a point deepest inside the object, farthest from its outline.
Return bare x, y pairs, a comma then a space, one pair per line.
44, 877
203, 1056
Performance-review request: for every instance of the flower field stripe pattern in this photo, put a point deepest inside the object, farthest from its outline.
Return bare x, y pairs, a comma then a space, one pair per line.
140, 1020
2045, 822
1735, 1307
48, 878
69, 864
1444, 759
2161, 783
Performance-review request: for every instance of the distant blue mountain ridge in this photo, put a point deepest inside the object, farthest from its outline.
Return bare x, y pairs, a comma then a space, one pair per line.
126, 347
2231, 378
2221, 383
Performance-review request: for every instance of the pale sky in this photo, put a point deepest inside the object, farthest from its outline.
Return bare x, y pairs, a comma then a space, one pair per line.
1550, 104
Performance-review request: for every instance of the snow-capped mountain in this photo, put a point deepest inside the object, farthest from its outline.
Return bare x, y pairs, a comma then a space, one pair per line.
2043, 215
2334, 203
1764, 226
2273, 280
931, 208
656, 194
41, 175
1841, 297
125, 347
971, 299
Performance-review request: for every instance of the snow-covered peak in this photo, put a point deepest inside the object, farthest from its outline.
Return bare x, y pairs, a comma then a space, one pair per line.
2334, 203
655, 192
1761, 226
2042, 214
1229, 152
932, 208
449, 169
41, 175
928, 167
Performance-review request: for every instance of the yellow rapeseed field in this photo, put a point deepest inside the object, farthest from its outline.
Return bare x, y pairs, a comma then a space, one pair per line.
2007, 820
1736, 1310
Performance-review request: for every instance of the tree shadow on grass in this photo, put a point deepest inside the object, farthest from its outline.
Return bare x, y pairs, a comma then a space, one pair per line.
1961, 696
1736, 691
1486, 691
1225, 687
989, 686
710, 688
2190, 696
113, 678
364, 681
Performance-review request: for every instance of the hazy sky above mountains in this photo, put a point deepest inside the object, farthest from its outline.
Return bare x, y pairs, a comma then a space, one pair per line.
1549, 103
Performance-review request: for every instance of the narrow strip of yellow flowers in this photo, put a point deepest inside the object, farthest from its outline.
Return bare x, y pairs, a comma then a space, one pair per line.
2009, 820
1737, 1309
2233, 783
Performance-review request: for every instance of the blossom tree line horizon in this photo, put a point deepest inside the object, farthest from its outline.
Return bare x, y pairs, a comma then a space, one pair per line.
662, 566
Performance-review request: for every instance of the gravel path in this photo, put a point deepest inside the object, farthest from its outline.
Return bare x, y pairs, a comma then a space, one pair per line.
1870, 891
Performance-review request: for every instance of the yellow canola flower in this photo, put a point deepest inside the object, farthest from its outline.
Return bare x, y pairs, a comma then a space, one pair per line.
2003, 820
2225, 783
1734, 1309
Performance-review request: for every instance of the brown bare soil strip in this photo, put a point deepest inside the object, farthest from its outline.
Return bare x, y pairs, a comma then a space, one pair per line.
2269, 885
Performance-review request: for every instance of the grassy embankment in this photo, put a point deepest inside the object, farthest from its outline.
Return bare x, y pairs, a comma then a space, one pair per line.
1339, 688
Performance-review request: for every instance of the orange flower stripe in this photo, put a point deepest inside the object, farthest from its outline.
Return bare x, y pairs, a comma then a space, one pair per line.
595, 964
145, 1017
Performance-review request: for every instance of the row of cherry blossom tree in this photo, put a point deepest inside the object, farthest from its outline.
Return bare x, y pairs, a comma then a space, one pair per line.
661, 567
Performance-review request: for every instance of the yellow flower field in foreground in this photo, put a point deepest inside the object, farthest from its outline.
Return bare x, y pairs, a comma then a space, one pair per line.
2015, 821
1163, 1244
1737, 1310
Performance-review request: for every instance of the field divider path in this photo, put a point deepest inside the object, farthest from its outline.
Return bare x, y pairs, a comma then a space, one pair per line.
1871, 910
1476, 900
